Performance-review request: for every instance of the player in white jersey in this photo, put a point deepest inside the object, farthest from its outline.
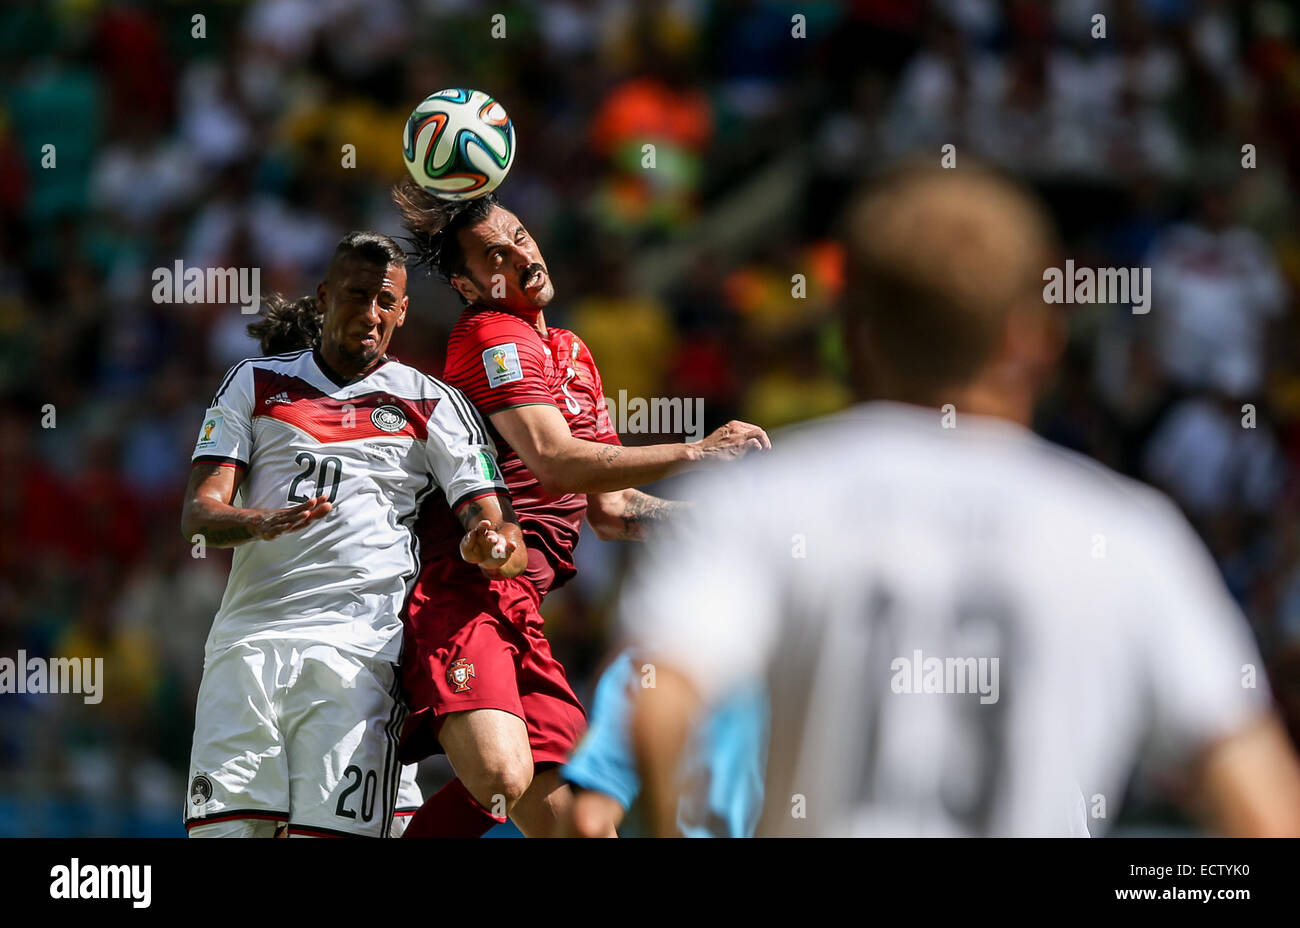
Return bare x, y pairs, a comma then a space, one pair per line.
983, 625
315, 463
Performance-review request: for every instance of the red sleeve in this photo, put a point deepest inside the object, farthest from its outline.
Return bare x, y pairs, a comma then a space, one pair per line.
498, 361
605, 431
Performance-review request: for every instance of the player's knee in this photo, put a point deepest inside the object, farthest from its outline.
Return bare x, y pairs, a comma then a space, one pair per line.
503, 783
497, 782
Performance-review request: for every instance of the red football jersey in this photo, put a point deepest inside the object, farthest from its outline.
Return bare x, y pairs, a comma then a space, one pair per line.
500, 360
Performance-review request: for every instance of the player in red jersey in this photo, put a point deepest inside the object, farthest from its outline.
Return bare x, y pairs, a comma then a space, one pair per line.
489, 692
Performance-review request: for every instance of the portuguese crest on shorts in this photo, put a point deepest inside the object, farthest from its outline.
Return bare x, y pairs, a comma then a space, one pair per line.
458, 674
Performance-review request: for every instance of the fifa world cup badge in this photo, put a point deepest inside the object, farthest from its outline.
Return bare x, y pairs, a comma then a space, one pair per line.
458, 674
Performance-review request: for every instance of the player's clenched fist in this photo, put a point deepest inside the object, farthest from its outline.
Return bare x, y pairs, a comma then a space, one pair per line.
272, 523
488, 548
733, 440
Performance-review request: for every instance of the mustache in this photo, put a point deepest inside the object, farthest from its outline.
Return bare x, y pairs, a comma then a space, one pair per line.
529, 271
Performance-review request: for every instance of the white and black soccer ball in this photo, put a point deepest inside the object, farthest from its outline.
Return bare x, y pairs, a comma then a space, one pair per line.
459, 144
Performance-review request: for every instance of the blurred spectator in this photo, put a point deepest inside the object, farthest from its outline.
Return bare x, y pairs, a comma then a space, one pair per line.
629, 334
662, 109
1203, 457
1217, 291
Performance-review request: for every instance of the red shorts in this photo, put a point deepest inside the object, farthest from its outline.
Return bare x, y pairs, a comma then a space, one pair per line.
482, 647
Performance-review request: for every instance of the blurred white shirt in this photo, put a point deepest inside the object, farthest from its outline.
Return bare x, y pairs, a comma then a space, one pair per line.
1215, 293
1076, 609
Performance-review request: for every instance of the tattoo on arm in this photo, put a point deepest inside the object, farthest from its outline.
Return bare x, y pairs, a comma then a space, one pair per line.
201, 503
225, 536
470, 514
205, 470
642, 511
609, 454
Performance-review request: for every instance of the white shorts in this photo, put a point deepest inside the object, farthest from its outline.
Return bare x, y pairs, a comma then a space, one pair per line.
409, 800
300, 733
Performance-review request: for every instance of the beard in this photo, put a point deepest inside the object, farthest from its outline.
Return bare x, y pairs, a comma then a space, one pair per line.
361, 356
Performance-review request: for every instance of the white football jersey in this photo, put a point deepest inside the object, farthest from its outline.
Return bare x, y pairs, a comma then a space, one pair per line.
377, 447
963, 630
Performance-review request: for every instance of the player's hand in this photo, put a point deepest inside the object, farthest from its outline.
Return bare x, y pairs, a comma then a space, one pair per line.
733, 440
272, 523
488, 549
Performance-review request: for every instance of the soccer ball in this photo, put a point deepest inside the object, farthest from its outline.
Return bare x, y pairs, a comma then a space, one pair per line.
459, 144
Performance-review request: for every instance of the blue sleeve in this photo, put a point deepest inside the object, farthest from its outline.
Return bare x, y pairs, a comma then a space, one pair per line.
724, 769
603, 760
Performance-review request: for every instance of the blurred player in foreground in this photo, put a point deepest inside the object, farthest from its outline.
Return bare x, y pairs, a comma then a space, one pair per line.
489, 692
987, 619
298, 717
721, 781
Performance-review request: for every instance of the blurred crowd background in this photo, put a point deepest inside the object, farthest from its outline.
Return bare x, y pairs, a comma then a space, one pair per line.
226, 149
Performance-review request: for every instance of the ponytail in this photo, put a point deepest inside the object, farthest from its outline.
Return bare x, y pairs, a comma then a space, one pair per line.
288, 325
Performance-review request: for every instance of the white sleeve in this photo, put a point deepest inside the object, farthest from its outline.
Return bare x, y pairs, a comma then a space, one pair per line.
462, 456
704, 597
1205, 676
226, 434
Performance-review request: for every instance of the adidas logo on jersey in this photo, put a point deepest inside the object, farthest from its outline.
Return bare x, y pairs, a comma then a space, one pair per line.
281, 397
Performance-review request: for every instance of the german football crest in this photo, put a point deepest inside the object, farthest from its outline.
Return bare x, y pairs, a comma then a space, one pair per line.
458, 674
200, 790
388, 419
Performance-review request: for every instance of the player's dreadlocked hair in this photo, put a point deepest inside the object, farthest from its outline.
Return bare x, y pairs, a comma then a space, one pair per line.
292, 325
435, 225
288, 325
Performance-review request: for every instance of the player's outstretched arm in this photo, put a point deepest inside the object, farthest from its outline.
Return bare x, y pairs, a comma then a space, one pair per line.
628, 515
493, 540
208, 512
1250, 783
564, 464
